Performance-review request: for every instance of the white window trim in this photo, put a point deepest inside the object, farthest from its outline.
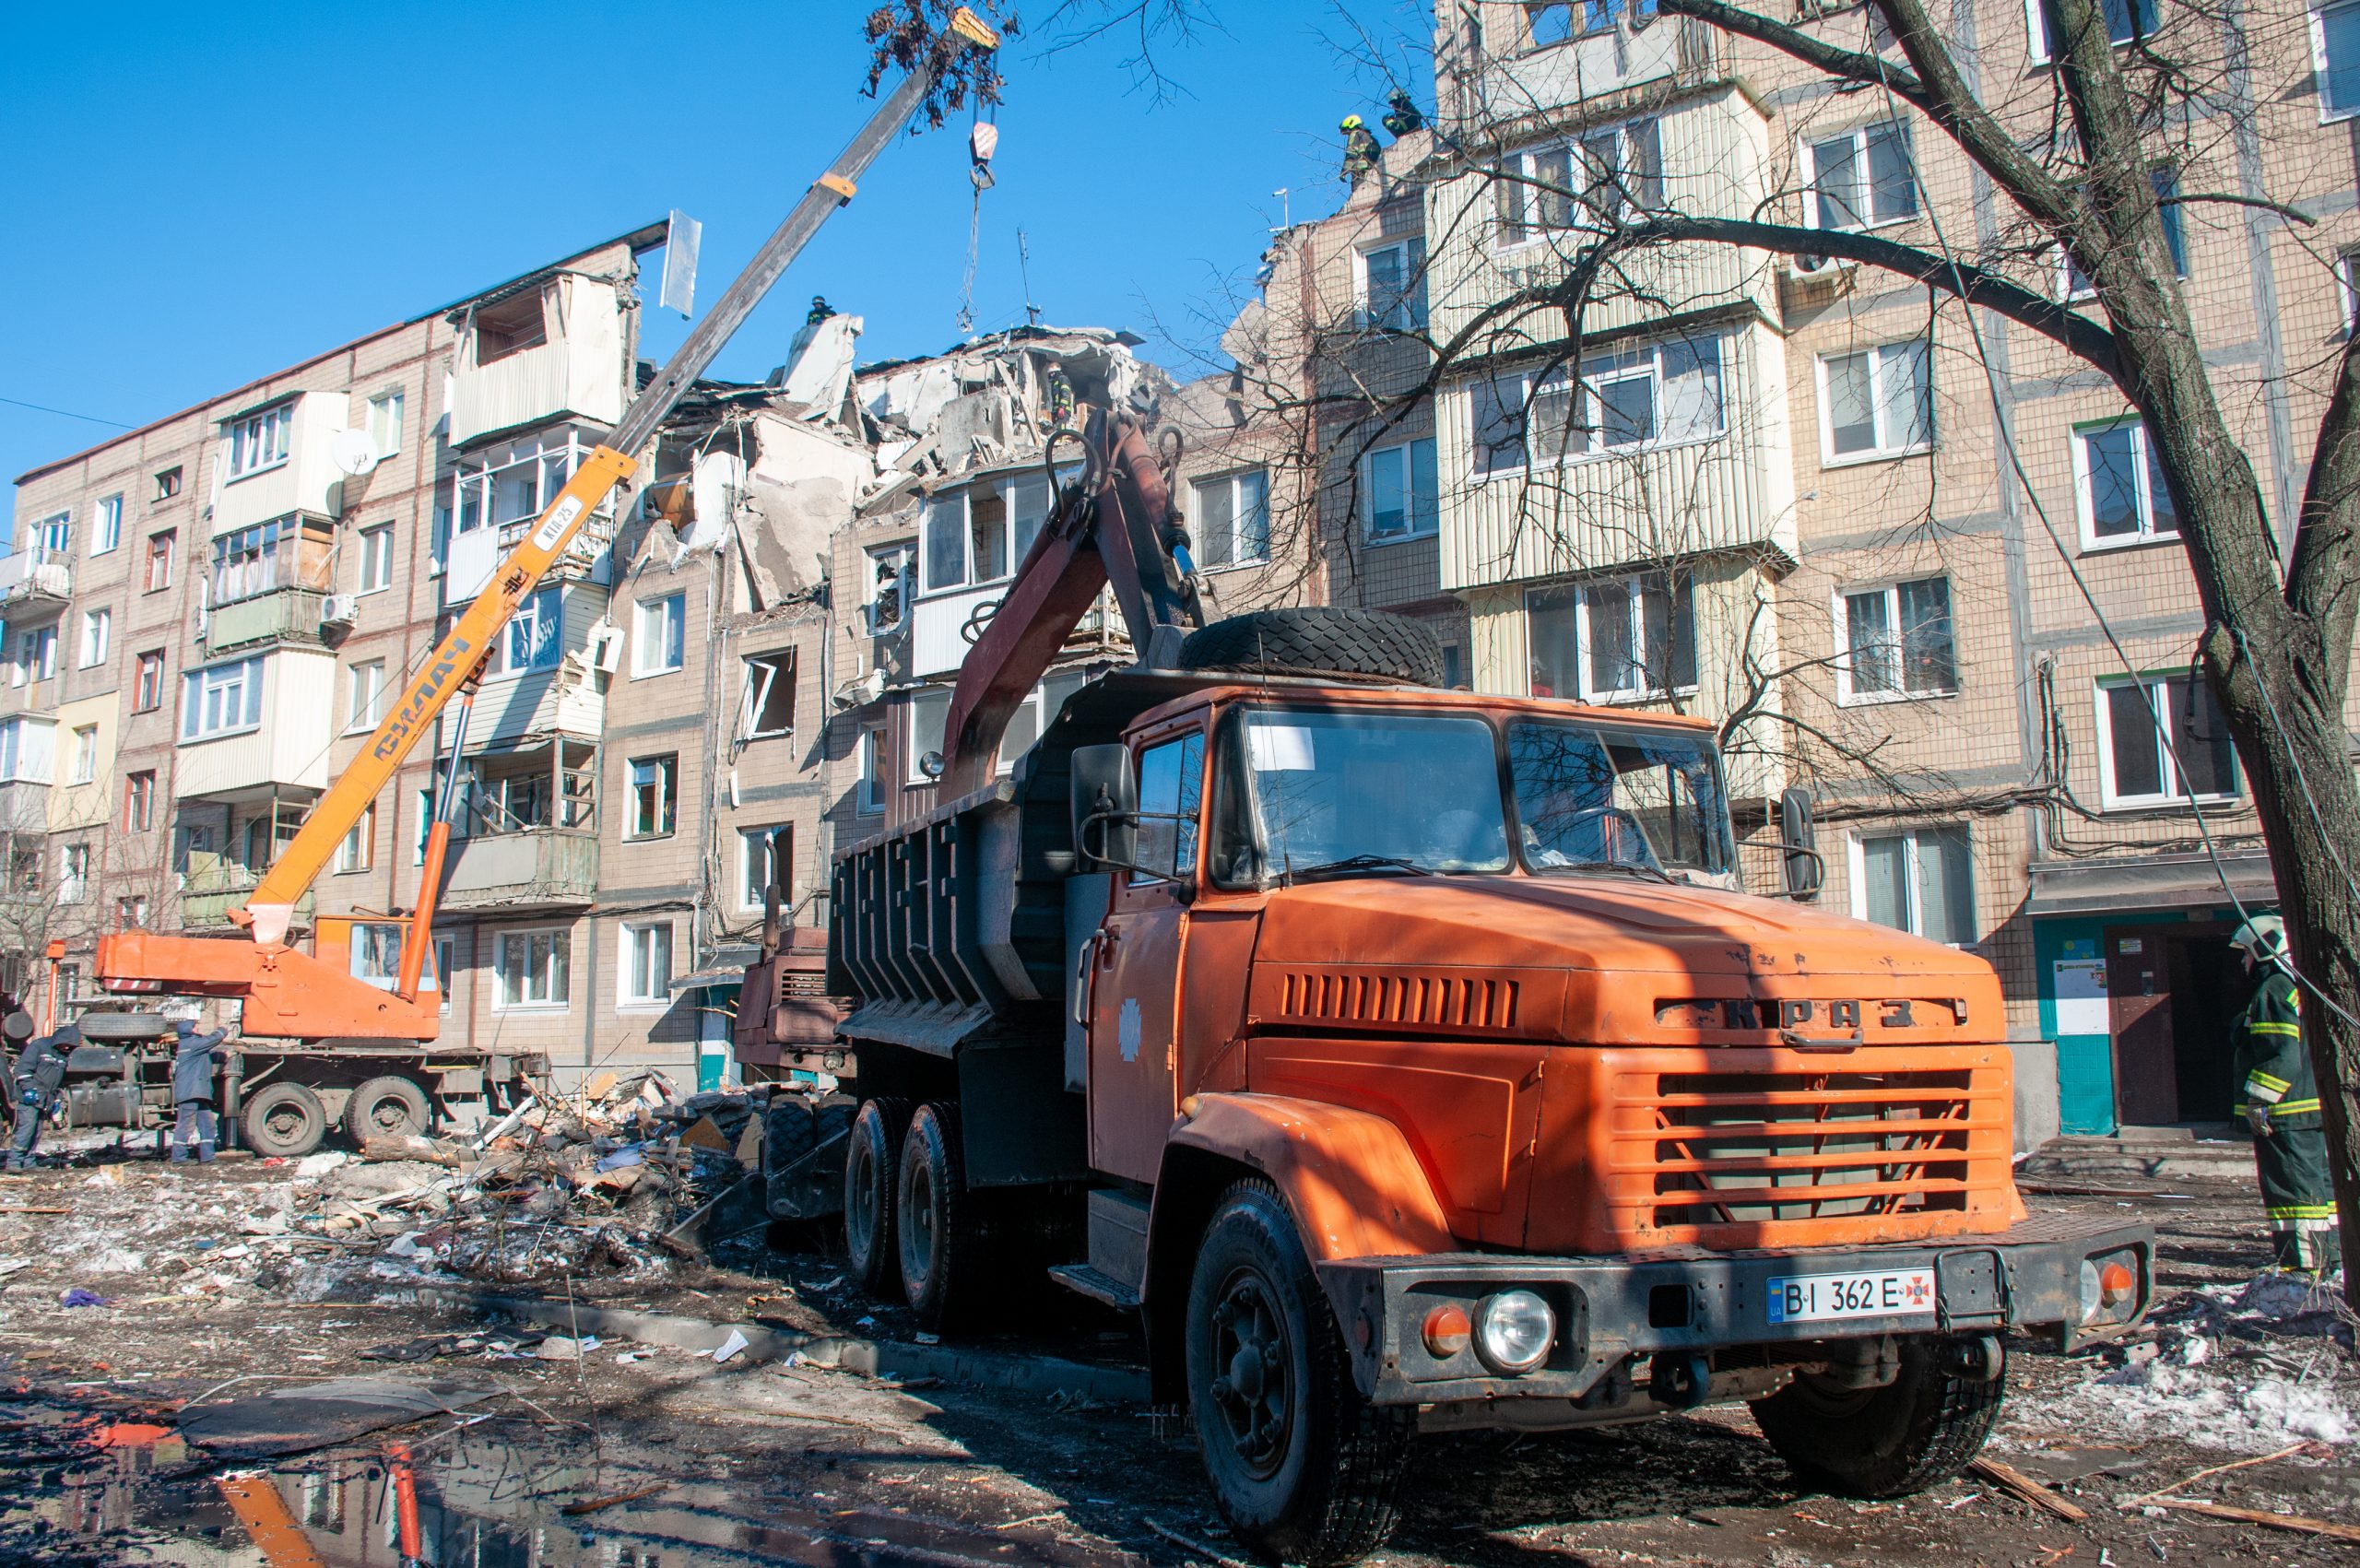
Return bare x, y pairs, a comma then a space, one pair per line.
254, 665
399, 399
1525, 382
1369, 537
100, 543
1536, 234
1881, 452
361, 717
98, 634
36, 542
626, 1001
641, 669
868, 782
498, 979
1230, 478
2086, 507
356, 851
2347, 286
2165, 714
1841, 612
672, 797
1632, 583
383, 531
1857, 862
2316, 17
905, 558
287, 446
1414, 274
1806, 159
752, 700
747, 839
85, 762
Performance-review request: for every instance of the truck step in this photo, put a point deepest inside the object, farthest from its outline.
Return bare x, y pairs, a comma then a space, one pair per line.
1096, 1285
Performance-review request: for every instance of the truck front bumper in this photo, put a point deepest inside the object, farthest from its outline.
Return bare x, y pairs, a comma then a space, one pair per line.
1712, 1313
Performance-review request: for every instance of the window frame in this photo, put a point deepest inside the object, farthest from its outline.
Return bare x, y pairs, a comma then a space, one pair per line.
868, 783
148, 682
197, 683
629, 995
356, 851
1232, 479
1516, 395
360, 714
2316, 17
768, 665
57, 526
163, 547
2042, 49
376, 565
271, 431
74, 873
1367, 508
1814, 213
1679, 588
85, 755
1913, 886
2166, 715
561, 961
1846, 692
748, 837
1879, 355
671, 615
97, 639
106, 527
904, 560
1408, 310
387, 408
2142, 465
1016, 538
665, 770
1531, 225
36, 659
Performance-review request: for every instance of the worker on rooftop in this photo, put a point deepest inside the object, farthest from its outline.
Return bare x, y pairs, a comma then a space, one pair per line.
2280, 1101
1360, 148
193, 1092
1401, 114
41, 1073
820, 311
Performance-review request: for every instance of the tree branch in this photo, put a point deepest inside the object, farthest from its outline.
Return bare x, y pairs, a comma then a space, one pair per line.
1852, 65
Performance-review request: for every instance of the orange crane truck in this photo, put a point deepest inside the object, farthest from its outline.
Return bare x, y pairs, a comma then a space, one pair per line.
313, 1036
1412, 1060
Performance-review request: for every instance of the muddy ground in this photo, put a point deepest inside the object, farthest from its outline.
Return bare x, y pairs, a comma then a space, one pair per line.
204, 1284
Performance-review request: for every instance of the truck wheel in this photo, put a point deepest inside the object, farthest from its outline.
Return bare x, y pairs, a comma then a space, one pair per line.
1302, 1467
1319, 640
870, 1156
1920, 1429
284, 1120
386, 1107
931, 1213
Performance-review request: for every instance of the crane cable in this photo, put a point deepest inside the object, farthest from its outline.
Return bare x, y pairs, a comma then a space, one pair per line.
983, 140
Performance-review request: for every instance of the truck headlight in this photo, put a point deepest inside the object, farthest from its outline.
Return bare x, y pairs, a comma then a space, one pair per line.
1514, 1331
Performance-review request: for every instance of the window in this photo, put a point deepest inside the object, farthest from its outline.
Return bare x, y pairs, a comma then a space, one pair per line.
1860, 179
1876, 402
1171, 777
1399, 495
2123, 498
249, 562
24, 872
2190, 757
1921, 882
74, 874
139, 802
130, 913
1550, 24
1622, 638
107, 533
535, 968
377, 953
1234, 519
2347, 282
386, 422
53, 535
977, 535
758, 852
358, 852
653, 783
1604, 176
2165, 179
86, 754
1897, 641
168, 483
36, 655
658, 634
261, 441
366, 699
1637, 397
508, 487
96, 624
646, 965
768, 705
533, 642
869, 794
24, 750
887, 588
376, 559
1392, 285
2125, 20
2335, 59
147, 689
511, 327
221, 700
159, 561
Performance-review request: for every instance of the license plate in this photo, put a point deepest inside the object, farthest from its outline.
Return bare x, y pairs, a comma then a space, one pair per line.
1882, 1292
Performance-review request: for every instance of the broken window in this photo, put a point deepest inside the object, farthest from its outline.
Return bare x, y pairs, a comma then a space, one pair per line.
511, 484
654, 792
889, 587
511, 327
769, 706
759, 850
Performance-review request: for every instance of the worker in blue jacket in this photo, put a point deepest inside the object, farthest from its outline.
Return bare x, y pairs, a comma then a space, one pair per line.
39, 1074
194, 1077
2280, 1101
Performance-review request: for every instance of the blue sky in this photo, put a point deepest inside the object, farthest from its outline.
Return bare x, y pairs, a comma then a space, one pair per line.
204, 197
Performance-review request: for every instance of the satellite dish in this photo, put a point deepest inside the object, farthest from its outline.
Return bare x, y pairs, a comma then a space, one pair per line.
352, 453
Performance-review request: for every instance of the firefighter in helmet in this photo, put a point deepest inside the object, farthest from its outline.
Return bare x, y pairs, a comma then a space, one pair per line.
1360, 147
2280, 1101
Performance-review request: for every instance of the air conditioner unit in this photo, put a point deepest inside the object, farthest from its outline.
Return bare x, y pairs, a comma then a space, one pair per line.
339, 610
1816, 266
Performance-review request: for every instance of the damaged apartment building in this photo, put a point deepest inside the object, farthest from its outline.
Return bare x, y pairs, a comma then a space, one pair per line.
206, 617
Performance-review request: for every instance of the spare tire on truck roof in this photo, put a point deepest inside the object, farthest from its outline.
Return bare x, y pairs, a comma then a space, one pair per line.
125, 1026
1315, 640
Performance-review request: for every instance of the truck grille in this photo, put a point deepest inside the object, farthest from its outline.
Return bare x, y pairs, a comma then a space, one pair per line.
1769, 1145
1437, 1001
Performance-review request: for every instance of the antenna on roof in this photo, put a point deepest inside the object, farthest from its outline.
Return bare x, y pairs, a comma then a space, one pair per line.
1024, 271
1286, 210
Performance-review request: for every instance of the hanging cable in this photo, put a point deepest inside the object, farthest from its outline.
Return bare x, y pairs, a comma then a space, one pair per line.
983, 140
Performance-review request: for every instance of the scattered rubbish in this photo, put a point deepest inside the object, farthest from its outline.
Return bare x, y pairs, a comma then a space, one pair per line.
2287, 1452
78, 1297
2022, 1488
320, 1164
2296, 1522
425, 1347
729, 1349
560, 1347
1200, 1548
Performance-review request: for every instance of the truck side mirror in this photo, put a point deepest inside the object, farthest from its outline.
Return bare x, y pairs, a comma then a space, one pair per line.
1806, 869
1106, 806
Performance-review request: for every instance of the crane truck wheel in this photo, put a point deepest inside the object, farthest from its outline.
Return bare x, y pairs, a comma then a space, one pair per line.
1920, 1429
1303, 1469
1319, 640
872, 1158
930, 1214
284, 1120
387, 1107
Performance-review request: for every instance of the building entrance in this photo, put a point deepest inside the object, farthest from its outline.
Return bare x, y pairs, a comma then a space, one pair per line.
2172, 994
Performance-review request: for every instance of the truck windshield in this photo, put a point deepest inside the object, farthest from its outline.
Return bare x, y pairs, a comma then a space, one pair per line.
1587, 795
1345, 794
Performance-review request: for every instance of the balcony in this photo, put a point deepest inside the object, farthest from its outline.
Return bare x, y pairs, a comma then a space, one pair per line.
475, 555
283, 615
549, 351
534, 869
24, 805
210, 892
270, 746
35, 579
303, 478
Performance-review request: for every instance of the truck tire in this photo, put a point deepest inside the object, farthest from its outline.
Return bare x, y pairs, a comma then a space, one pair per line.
387, 1107
1920, 1429
1319, 640
871, 1157
930, 1215
283, 1121
1302, 1467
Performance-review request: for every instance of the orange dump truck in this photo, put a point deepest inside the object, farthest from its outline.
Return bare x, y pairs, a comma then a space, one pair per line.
1412, 1060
